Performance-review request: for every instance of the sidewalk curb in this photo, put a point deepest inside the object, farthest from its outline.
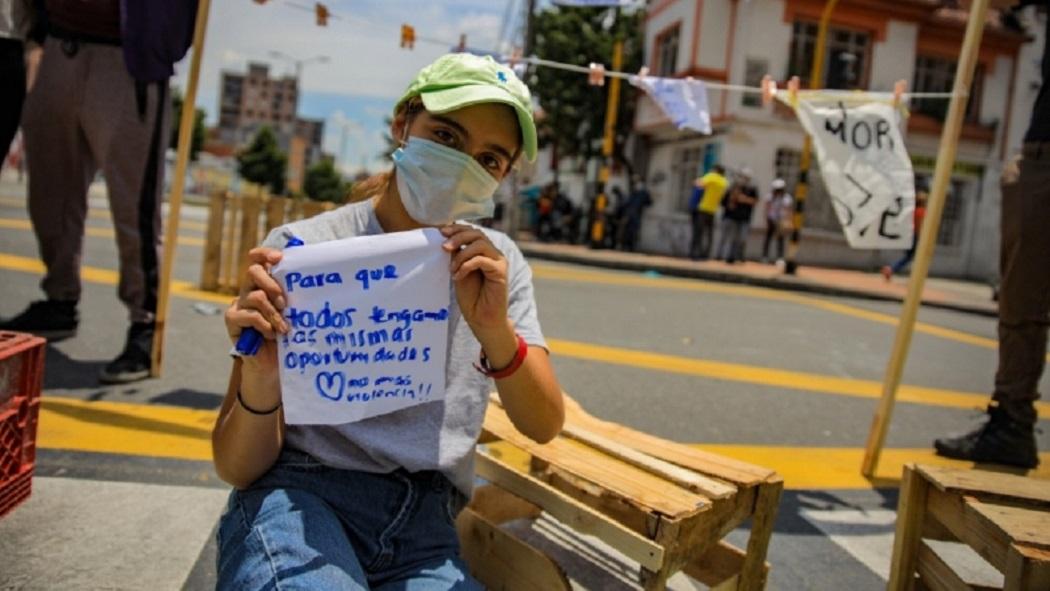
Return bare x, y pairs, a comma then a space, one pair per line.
783, 282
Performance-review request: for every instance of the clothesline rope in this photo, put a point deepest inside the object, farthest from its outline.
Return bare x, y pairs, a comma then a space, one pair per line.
713, 85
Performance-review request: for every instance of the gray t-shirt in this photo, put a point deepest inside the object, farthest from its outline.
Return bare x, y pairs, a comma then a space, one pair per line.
437, 435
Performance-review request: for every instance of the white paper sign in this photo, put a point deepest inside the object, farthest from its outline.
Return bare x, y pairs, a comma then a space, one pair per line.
866, 170
683, 100
369, 326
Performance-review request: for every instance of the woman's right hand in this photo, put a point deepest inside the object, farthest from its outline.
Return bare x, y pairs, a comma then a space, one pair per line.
259, 306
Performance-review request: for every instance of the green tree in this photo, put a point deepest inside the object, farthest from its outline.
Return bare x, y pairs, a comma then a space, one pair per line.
573, 120
198, 125
263, 162
324, 183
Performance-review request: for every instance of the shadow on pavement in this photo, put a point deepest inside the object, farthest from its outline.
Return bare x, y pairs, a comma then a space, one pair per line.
64, 372
188, 398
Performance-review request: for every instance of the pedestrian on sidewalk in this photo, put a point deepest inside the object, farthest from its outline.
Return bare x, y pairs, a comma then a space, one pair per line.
16, 24
372, 504
708, 191
100, 102
637, 202
737, 206
780, 210
1008, 433
898, 267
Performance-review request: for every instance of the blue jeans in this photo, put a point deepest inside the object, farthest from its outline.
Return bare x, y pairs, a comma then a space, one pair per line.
304, 525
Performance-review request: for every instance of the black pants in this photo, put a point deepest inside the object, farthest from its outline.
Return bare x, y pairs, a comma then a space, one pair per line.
12, 91
1024, 295
703, 235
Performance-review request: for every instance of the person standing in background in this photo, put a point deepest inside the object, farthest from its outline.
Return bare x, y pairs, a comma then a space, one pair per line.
779, 206
888, 271
16, 19
637, 202
708, 190
1008, 433
737, 205
100, 102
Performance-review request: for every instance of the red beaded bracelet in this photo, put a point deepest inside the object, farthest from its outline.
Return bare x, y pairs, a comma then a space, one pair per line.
519, 357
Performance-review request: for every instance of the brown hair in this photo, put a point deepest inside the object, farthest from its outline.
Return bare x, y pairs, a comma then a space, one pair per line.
379, 182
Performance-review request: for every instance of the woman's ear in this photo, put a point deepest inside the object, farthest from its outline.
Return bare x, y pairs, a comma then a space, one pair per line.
398, 126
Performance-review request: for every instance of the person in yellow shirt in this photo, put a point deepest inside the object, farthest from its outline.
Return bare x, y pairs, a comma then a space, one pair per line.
707, 194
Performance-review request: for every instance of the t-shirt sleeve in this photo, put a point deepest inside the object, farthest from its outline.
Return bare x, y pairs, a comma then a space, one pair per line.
277, 238
522, 301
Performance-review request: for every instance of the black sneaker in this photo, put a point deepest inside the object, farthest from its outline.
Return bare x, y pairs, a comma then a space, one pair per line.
133, 364
51, 319
1000, 440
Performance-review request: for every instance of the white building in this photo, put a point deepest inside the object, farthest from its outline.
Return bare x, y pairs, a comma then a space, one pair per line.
871, 44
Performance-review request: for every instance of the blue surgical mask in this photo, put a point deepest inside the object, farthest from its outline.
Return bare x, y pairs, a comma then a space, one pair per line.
439, 185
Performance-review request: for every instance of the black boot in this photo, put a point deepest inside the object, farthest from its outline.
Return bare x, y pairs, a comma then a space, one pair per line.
51, 319
1005, 438
133, 364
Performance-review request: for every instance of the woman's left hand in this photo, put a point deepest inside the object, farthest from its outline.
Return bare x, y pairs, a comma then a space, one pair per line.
479, 272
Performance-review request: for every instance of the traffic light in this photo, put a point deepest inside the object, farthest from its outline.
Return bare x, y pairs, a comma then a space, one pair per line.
408, 36
322, 14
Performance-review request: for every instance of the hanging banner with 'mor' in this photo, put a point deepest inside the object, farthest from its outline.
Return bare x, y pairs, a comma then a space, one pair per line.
866, 169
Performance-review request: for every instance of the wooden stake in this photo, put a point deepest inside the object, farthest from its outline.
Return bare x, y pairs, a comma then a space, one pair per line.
171, 235
928, 235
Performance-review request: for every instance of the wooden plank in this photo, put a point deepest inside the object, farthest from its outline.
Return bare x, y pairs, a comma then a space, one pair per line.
1027, 569
500, 506
729, 469
229, 255
1016, 525
275, 211
719, 567
635, 486
569, 511
753, 573
911, 510
500, 561
250, 208
952, 510
937, 574
986, 484
213, 241
693, 481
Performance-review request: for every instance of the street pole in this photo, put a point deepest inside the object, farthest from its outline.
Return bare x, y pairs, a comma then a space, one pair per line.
802, 188
928, 236
171, 235
612, 106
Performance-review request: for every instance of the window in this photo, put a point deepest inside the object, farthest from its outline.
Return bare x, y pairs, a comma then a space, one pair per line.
754, 70
954, 214
846, 56
786, 166
666, 53
691, 163
935, 74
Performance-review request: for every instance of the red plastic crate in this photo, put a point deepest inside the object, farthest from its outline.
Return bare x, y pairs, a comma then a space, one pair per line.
21, 377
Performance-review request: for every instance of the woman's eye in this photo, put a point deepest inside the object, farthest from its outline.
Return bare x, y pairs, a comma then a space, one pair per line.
444, 137
491, 163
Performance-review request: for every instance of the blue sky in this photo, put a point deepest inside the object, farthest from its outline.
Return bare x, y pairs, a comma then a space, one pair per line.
367, 70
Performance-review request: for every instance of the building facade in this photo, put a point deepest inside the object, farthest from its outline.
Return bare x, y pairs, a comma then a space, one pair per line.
871, 44
249, 101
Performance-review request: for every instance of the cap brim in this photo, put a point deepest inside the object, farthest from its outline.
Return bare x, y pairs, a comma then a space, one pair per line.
450, 99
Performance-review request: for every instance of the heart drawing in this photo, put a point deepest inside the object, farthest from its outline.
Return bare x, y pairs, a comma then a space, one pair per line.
330, 384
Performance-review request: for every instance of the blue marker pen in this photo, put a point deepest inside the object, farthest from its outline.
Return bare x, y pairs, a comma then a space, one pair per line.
250, 340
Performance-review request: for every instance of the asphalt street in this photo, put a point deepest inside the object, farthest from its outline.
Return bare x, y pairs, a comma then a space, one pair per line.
777, 378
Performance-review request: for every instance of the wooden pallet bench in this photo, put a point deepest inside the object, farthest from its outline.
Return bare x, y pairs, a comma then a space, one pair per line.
663, 505
1003, 517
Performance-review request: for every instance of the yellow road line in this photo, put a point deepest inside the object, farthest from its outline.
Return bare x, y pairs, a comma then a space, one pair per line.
182, 433
103, 214
543, 271
720, 370
15, 224
122, 428
778, 378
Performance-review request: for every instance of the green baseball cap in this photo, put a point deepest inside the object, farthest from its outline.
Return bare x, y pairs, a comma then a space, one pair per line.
458, 80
